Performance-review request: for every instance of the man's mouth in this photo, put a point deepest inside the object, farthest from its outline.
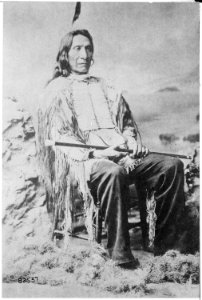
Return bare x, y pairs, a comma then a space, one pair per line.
83, 63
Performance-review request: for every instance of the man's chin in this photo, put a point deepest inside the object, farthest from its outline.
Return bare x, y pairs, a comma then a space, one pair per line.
83, 69
81, 72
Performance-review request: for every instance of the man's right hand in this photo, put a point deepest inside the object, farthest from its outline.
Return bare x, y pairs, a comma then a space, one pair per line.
113, 153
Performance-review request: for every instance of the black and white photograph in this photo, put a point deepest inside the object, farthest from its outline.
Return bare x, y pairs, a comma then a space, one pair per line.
100, 150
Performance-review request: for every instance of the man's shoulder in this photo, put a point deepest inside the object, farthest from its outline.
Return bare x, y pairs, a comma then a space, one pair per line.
51, 92
61, 83
57, 84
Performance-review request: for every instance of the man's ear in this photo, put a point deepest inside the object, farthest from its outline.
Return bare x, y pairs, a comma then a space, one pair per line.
92, 61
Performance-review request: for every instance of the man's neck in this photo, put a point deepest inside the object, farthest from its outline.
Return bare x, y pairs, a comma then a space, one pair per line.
78, 76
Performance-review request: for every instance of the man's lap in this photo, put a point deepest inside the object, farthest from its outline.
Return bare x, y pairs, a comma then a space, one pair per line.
105, 167
151, 166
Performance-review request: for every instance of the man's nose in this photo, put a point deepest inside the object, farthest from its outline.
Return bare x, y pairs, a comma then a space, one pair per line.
83, 53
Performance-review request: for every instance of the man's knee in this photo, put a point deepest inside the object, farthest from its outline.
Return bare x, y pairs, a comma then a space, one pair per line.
174, 165
177, 164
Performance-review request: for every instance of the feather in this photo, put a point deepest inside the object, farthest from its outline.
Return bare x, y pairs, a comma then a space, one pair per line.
77, 12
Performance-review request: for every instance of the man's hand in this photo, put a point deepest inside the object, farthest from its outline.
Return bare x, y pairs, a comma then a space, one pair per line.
139, 151
113, 153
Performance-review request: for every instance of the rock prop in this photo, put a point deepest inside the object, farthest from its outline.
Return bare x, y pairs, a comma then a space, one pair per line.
24, 210
192, 173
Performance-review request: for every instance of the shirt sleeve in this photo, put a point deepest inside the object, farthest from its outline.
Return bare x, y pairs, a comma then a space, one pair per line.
125, 120
62, 128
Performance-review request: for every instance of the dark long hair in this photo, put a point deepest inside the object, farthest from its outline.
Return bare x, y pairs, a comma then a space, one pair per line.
62, 67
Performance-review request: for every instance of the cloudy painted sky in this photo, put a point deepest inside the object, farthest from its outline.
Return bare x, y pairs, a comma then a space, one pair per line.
136, 44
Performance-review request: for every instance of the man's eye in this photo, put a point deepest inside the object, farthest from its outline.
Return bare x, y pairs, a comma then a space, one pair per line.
77, 48
89, 49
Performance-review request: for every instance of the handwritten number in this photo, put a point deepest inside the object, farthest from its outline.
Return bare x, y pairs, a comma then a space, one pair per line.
27, 279
20, 280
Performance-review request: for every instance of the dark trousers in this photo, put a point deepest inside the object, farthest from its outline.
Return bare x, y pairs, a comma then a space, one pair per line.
109, 185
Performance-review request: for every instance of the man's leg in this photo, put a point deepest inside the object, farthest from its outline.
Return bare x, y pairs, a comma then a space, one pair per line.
108, 185
165, 176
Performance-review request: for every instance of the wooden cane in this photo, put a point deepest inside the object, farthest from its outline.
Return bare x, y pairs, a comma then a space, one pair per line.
50, 143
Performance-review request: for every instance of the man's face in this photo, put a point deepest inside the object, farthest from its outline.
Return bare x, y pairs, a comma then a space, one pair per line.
80, 54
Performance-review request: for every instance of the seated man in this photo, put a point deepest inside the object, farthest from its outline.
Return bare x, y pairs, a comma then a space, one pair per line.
83, 109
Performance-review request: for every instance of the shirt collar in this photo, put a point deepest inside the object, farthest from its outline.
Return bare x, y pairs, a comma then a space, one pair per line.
79, 77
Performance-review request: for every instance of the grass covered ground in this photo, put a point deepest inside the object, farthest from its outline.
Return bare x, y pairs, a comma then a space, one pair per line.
85, 265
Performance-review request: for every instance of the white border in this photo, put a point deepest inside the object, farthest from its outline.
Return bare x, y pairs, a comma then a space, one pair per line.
1, 97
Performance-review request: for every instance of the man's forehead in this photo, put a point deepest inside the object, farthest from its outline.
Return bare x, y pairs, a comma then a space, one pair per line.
79, 40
